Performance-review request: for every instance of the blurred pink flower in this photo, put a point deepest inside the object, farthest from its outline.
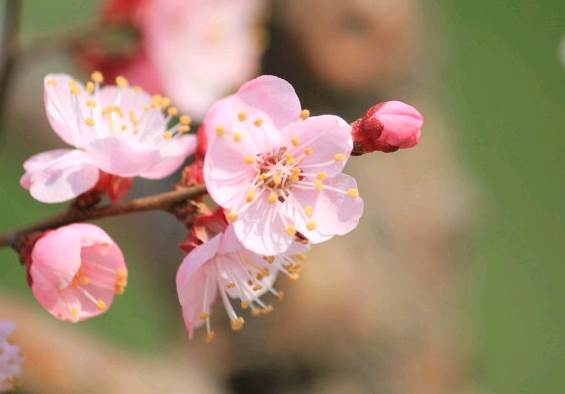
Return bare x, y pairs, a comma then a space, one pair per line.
200, 49
387, 127
10, 358
278, 171
120, 130
75, 271
222, 265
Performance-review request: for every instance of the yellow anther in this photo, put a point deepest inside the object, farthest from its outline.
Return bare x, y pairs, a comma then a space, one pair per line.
52, 82
185, 120
121, 273
318, 184
89, 121
237, 324
269, 259
322, 176
340, 157
97, 77
133, 117
304, 114
91, 103
267, 309
309, 211
210, 336
294, 276
165, 102
237, 136
242, 116
257, 287
258, 122
173, 111
74, 310
83, 280
100, 304
308, 151
354, 193
220, 131
294, 178
250, 196
90, 87
230, 285
249, 159
291, 230
295, 171
244, 304
300, 256
137, 89
295, 141
255, 312
184, 129
277, 179
204, 315
122, 82
119, 290
232, 217
290, 159
75, 89
311, 225
168, 135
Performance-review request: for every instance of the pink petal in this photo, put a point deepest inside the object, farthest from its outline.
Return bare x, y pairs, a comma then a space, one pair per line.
334, 213
173, 155
272, 96
59, 175
123, 157
327, 136
191, 281
61, 107
219, 115
402, 124
261, 228
226, 174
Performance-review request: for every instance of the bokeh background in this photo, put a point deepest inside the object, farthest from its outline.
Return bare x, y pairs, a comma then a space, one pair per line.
453, 282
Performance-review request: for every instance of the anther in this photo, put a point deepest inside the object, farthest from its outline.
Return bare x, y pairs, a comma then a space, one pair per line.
308, 151
258, 122
340, 157
122, 82
204, 315
75, 89
290, 159
173, 111
74, 310
318, 184
304, 114
210, 336
242, 116
250, 196
269, 259
220, 131
322, 176
295, 141
237, 324
90, 87
97, 77
230, 285
89, 121
267, 309
101, 305
168, 135
244, 304
309, 211
184, 129
249, 159
185, 120
91, 103
291, 230
354, 193
232, 217
237, 136
311, 226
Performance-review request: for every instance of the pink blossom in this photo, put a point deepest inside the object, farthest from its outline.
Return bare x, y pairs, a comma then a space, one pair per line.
10, 358
388, 127
223, 265
200, 49
75, 272
120, 130
278, 171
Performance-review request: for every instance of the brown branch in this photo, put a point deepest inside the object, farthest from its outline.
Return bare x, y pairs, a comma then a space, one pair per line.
164, 201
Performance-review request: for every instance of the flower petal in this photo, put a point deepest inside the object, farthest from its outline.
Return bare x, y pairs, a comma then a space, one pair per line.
63, 107
122, 157
334, 213
173, 155
59, 175
325, 137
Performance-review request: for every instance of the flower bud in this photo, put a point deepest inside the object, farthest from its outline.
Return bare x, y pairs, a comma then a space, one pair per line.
387, 127
75, 271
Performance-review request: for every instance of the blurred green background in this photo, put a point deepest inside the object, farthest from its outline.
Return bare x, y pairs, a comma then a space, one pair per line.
504, 91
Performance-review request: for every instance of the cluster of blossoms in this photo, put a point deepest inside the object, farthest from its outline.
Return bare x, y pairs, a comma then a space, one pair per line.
274, 171
10, 358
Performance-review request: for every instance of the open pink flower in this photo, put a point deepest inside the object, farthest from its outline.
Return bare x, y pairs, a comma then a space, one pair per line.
120, 130
10, 358
278, 171
197, 50
76, 270
223, 265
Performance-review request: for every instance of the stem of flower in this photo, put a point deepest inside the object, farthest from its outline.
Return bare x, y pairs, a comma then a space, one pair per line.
163, 201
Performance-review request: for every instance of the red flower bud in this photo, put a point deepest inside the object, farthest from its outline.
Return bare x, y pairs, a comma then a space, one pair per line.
387, 127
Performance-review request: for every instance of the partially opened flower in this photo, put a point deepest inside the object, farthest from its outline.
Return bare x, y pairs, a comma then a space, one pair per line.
193, 50
223, 265
278, 170
10, 358
75, 272
120, 130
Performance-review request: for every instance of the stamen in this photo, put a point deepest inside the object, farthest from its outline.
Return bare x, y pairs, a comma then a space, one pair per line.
291, 230
173, 111
122, 82
232, 217
273, 197
100, 304
258, 122
309, 211
309, 151
318, 185
90, 87
340, 157
322, 175
304, 114
353, 193
237, 136
204, 315
97, 77
290, 159
210, 336
242, 116
295, 141
311, 226
168, 135
185, 120
75, 89
91, 103
250, 196
249, 159
220, 131
89, 121
237, 324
